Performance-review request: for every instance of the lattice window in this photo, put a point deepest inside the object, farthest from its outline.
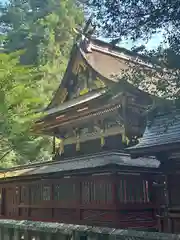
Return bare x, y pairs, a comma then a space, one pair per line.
98, 192
40, 192
46, 193
133, 190
65, 191
36, 194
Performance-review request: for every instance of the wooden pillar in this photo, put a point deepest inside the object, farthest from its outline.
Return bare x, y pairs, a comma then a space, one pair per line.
166, 198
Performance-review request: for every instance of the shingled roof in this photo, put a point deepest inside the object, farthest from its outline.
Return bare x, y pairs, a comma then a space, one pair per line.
108, 62
161, 132
81, 163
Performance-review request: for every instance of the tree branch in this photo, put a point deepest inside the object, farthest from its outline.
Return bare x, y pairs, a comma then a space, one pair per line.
6, 153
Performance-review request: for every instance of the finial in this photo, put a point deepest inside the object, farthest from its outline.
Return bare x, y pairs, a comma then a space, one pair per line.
87, 31
87, 25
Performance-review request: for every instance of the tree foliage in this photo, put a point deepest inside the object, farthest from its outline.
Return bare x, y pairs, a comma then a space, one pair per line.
44, 31
139, 20
18, 98
36, 38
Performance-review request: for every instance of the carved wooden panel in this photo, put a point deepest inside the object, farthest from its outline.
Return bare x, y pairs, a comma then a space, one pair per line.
83, 80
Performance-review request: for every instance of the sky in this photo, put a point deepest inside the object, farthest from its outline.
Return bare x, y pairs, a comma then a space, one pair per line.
151, 44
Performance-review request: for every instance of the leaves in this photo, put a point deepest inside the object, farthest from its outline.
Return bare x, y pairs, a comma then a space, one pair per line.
17, 91
36, 41
140, 20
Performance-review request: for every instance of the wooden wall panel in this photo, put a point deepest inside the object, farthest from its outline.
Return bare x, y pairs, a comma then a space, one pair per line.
81, 199
98, 216
41, 213
176, 225
66, 215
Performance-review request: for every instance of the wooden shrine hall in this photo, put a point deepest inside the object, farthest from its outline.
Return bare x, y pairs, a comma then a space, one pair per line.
95, 107
95, 114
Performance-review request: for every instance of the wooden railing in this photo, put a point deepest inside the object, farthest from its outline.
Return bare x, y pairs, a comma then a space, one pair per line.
27, 230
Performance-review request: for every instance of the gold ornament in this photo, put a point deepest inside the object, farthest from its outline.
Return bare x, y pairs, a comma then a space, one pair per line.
77, 142
102, 138
61, 146
125, 139
57, 142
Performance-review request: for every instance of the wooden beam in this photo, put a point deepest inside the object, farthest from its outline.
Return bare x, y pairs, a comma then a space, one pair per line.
92, 136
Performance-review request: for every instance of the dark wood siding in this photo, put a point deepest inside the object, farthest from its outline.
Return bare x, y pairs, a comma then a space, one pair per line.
99, 199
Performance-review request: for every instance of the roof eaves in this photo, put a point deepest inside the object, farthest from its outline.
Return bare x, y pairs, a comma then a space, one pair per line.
73, 103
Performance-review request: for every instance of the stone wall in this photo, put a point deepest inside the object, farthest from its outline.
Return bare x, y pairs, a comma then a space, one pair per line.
28, 230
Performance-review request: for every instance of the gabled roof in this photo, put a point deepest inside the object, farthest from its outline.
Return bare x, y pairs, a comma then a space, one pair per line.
81, 163
106, 60
162, 133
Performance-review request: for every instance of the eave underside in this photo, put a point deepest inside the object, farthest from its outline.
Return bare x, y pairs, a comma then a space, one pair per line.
90, 112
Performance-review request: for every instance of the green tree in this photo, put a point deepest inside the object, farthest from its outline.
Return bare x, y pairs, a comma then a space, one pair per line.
139, 20
18, 99
44, 33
